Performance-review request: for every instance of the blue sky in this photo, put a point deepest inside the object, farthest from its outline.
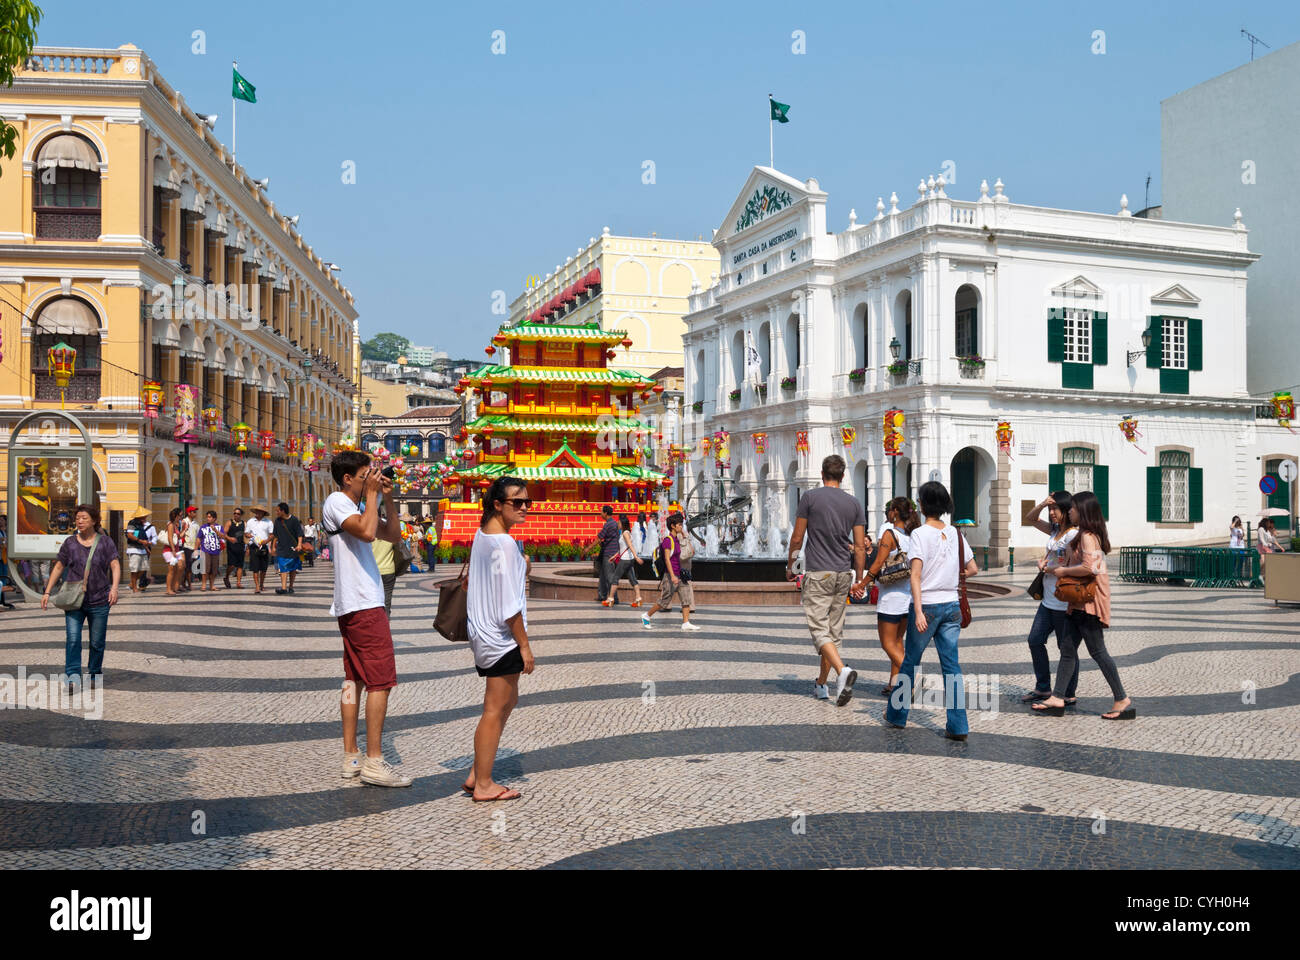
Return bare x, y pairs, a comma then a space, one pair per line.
475, 170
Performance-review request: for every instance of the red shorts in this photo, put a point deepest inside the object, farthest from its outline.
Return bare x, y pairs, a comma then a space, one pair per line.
368, 649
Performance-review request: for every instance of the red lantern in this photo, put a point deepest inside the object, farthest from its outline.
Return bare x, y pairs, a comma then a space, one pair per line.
265, 442
490, 350
458, 390
464, 381
485, 483
610, 354
666, 482
151, 395
627, 343
291, 445
487, 429
658, 388
499, 338
645, 394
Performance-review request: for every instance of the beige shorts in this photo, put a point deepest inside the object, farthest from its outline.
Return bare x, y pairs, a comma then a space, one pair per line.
683, 590
137, 562
824, 593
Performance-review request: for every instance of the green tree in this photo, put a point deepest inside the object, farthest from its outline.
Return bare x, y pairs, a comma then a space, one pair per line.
18, 20
383, 346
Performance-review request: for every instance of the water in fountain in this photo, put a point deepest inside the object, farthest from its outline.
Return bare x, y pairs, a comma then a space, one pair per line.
751, 547
776, 538
711, 541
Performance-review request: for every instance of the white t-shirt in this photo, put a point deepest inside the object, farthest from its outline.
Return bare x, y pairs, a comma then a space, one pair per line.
937, 551
497, 579
259, 530
1236, 538
895, 598
309, 531
357, 584
1058, 553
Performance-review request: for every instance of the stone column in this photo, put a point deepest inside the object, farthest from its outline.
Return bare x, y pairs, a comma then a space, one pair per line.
1000, 512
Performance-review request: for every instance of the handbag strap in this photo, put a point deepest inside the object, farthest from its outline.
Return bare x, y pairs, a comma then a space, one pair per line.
961, 559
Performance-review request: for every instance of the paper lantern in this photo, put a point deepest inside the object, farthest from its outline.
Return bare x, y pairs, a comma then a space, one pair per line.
1284, 408
500, 338
186, 402
666, 482
610, 354
1005, 436
211, 420
489, 350
658, 388
265, 442
801, 442
242, 432
63, 364
458, 390
151, 398
893, 433
627, 343
848, 433
1129, 427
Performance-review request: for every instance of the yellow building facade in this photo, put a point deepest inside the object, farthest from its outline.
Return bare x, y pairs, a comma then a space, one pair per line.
129, 232
637, 284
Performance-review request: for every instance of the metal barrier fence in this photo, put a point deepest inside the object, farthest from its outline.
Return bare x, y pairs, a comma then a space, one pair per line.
1202, 566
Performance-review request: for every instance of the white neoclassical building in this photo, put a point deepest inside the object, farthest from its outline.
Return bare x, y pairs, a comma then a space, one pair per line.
962, 314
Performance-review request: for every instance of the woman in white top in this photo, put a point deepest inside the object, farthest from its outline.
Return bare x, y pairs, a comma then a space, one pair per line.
1052, 613
895, 598
624, 564
1236, 535
497, 610
936, 611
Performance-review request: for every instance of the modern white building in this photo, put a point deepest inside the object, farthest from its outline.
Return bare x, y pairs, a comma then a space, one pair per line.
1054, 304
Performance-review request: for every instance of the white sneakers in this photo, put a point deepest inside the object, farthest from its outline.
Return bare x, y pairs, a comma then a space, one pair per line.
687, 625
351, 765
378, 772
844, 686
820, 692
645, 621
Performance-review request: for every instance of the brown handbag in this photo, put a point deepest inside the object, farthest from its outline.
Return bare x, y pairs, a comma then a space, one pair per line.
1076, 591
452, 618
962, 600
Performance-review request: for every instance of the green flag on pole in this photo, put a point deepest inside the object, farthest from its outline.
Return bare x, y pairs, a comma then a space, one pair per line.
779, 110
242, 89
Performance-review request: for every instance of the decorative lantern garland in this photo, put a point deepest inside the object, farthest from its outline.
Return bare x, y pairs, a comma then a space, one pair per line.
848, 433
1006, 437
151, 398
801, 442
893, 436
266, 443
760, 442
1129, 427
63, 366
722, 449
211, 420
242, 432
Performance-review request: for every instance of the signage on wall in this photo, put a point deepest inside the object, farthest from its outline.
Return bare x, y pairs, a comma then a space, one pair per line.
1157, 562
121, 463
766, 201
1029, 448
1267, 486
1287, 471
762, 246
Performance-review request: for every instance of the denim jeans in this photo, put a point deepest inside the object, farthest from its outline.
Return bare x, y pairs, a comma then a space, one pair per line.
1048, 621
943, 625
72, 621
1082, 626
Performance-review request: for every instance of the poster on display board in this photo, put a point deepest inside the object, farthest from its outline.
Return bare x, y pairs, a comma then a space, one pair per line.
46, 482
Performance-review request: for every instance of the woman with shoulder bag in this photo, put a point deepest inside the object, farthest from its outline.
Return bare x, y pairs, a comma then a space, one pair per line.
1052, 611
941, 560
173, 551
624, 565
90, 559
891, 571
1085, 584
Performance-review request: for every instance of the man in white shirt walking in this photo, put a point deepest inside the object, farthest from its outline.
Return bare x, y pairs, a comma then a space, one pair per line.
368, 662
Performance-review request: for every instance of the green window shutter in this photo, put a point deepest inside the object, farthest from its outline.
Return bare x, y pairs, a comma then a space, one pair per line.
1101, 487
1056, 335
1099, 338
1153, 495
1195, 494
1076, 376
1055, 477
1155, 351
1174, 381
1194, 347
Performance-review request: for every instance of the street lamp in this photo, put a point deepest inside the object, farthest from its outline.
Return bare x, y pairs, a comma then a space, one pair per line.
1133, 355
368, 405
895, 348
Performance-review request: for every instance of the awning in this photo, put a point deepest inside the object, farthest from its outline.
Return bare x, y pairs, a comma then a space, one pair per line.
67, 317
568, 295
592, 278
166, 179
67, 150
214, 221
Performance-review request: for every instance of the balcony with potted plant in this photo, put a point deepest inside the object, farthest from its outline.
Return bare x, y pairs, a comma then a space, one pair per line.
697, 406
734, 397
902, 370
858, 376
971, 367
788, 384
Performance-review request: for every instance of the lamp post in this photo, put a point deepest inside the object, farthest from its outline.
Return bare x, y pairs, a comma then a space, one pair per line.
895, 349
1134, 355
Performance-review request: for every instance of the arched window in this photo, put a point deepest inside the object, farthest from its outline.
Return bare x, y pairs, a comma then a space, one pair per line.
67, 197
792, 355
859, 330
71, 321
437, 446
967, 325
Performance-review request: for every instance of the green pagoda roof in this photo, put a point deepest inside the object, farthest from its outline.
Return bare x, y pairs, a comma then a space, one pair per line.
491, 471
591, 425
559, 331
581, 375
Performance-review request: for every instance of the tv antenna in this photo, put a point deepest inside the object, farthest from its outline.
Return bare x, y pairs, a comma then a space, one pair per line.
1253, 40
1146, 203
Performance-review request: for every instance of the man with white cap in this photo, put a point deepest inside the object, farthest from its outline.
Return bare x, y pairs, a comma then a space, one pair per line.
140, 538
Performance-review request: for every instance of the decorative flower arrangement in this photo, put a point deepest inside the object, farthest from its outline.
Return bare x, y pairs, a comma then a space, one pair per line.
734, 395
858, 375
898, 368
762, 389
787, 383
974, 360
442, 552
697, 406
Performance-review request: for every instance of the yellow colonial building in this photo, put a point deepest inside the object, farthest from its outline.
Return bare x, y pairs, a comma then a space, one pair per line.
637, 284
129, 232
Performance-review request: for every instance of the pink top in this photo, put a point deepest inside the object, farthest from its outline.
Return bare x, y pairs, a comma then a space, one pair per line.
1088, 551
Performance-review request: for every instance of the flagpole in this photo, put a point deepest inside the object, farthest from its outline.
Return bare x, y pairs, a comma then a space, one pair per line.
234, 65
771, 157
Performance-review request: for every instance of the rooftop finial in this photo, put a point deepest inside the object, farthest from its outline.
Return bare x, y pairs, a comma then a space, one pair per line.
997, 190
1123, 205
938, 186
984, 190
893, 204
880, 208
920, 189
1236, 220
853, 218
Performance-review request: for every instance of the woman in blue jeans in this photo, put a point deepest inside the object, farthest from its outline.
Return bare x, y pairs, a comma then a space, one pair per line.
101, 582
1052, 613
935, 612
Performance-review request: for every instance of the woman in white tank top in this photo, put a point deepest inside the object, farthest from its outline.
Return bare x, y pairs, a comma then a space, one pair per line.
896, 598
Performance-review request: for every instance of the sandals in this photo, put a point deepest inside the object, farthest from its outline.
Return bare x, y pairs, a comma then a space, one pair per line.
1033, 696
1128, 713
636, 603
1046, 711
505, 794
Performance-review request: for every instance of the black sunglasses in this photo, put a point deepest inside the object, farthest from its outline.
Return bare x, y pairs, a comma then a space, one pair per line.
520, 503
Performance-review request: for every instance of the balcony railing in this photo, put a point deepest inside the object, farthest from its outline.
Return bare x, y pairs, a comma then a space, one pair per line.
67, 223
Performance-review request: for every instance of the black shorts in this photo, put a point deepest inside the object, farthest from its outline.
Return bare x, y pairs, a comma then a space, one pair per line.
890, 617
258, 559
234, 559
509, 664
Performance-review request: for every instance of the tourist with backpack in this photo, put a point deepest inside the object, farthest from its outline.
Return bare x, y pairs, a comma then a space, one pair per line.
668, 568
140, 538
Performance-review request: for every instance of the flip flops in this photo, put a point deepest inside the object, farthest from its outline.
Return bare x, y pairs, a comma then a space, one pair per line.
505, 794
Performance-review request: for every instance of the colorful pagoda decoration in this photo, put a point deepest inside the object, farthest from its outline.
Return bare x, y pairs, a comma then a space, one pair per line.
560, 418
